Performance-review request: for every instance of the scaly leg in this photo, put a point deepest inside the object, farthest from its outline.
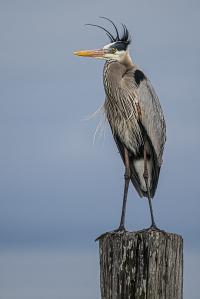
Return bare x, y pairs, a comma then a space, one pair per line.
146, 177
127, 176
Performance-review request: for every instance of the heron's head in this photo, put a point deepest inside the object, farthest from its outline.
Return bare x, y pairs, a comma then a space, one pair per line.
117, 49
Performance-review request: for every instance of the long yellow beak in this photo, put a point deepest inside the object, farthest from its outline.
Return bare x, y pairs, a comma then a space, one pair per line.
99, 53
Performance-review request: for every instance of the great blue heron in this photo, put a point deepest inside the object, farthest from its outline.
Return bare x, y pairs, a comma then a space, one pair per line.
134, 114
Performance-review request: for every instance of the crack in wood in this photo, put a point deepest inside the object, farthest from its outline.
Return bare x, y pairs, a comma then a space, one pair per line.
141, 265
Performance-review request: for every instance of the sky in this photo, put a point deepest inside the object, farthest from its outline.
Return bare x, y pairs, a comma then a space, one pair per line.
58, 190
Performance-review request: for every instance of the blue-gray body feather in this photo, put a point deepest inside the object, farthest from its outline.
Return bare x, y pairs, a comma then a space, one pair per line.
135, 117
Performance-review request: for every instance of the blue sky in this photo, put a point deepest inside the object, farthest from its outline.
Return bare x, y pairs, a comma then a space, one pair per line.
58, 190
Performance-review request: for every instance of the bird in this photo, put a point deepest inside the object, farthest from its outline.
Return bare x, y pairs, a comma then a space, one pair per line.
135, 116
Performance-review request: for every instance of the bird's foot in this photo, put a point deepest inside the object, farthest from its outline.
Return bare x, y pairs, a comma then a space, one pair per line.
120, 229
153, 227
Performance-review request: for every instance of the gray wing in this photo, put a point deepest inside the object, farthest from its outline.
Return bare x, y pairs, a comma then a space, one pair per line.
152, 123
152, 118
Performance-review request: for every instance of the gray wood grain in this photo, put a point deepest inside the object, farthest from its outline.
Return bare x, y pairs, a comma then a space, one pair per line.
141, 265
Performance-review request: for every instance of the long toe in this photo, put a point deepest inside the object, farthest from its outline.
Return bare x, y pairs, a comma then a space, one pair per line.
121, 228
154, 227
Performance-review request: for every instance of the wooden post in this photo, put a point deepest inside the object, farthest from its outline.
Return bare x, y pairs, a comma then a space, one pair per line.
141, 265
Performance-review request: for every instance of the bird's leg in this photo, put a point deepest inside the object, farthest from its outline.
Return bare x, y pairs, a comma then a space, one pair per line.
127, 176
146, 177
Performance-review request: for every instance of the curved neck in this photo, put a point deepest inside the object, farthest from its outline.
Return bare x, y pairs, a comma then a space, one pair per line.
116, 85
114, 71
127, 61
112, 77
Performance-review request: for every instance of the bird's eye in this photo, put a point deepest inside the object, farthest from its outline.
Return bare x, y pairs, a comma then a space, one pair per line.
113, 50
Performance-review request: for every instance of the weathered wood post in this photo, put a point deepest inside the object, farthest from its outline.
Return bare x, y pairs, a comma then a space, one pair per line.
141, 265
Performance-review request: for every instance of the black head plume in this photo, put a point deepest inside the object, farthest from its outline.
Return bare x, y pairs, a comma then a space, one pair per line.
117, 37
124, 38
107, 32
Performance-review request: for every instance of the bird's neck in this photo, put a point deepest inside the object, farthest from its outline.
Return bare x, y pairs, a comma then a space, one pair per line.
113, 74
112, 77
127, 61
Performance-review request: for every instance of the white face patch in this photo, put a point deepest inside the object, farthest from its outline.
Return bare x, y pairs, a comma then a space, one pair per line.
118, 55
108, 45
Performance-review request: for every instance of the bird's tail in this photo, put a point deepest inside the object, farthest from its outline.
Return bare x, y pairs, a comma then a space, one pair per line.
137, 175
137, 169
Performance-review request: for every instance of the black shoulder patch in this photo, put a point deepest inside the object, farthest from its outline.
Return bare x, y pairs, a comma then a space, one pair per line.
139, 76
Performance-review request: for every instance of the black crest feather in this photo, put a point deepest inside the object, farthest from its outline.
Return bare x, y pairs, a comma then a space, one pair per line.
124, 37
